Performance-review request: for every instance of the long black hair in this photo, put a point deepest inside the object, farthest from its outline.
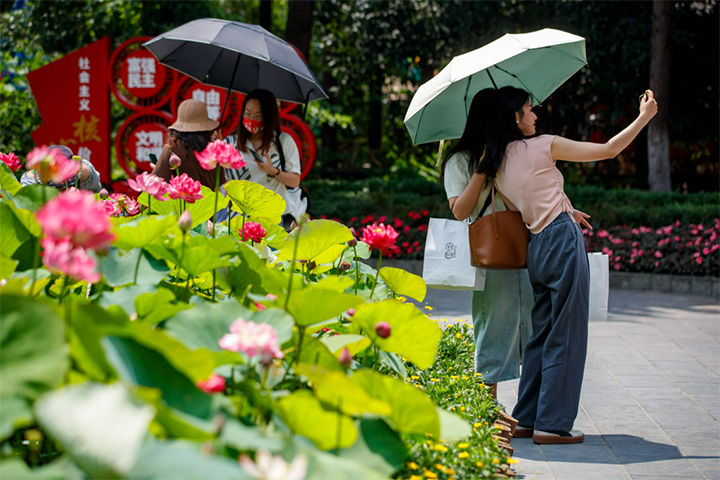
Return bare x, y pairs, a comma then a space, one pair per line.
490, 127
271, 120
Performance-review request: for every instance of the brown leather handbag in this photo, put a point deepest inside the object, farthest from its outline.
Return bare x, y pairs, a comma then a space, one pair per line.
499, 241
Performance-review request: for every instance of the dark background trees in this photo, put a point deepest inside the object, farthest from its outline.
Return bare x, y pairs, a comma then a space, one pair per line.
372, 55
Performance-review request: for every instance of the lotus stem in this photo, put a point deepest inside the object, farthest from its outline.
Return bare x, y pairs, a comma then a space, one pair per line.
377, 274
137, 265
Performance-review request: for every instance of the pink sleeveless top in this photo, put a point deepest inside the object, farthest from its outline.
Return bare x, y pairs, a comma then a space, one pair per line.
529, 178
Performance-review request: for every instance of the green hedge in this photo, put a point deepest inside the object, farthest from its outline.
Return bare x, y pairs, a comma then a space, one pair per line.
344, 199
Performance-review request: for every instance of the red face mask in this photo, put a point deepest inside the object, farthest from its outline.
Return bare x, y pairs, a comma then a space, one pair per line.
252, 125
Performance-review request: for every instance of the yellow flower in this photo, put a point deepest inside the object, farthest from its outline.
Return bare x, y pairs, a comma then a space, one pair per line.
463, 445
486, 422
465, 378
496, 461
450, 471
452, 478
478, 374
510, 461
479, 464
479, 424
429, 442
458, 335
413, 466
428, 307
429, 474
440, 467
415, 477
450, 368
452, 408
463, 455
454, 377
440, 448
434, 379
462, 408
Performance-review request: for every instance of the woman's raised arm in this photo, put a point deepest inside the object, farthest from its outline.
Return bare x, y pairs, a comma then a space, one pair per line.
463, 205
570, 150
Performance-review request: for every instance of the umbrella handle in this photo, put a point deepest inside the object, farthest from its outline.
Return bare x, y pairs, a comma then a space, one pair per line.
227, 97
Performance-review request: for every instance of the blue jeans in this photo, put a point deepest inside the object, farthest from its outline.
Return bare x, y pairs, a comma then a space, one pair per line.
552, 374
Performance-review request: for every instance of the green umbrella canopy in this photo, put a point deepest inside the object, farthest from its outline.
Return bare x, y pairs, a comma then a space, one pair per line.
537, 62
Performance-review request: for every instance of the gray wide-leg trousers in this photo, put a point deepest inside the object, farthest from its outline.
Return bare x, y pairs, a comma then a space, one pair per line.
554, 360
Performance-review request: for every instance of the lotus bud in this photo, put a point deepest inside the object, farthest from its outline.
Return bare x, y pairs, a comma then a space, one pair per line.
352, 243
382, 329
311, 265
175, 161
103, 194
211, 229
77, 158
271, 297
344, 267
345, 358
350, 312
185, 221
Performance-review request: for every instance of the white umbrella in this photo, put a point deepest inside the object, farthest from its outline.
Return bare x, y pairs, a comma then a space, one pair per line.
537, 62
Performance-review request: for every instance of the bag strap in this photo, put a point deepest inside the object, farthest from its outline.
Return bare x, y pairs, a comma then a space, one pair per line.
484, 207
278, 144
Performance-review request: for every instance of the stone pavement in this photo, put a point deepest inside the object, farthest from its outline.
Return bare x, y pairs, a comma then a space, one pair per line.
650, 403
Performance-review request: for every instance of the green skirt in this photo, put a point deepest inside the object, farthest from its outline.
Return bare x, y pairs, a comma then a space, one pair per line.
502, 324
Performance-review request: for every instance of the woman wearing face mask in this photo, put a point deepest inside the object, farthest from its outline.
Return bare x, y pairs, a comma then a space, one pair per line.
273, 159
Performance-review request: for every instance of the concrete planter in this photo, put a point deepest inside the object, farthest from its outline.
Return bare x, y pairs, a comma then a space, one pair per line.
679, 284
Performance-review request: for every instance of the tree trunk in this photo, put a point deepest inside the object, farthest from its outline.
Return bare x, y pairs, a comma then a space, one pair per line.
658, 140
298, 30
266, 14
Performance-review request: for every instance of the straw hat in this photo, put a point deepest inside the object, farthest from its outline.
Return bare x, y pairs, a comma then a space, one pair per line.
192, 116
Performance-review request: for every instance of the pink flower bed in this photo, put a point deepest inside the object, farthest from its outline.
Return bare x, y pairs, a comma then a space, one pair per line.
684, 249
678, 249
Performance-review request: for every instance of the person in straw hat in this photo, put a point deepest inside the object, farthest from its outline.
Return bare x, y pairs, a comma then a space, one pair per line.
191, 133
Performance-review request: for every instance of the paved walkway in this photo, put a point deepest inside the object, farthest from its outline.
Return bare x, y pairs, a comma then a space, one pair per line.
650, 404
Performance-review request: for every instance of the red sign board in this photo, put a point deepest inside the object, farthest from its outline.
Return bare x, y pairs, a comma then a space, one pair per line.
72, 96
142, 75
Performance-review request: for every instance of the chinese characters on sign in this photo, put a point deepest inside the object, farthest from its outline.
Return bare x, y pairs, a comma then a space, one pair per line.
213, 98
142, 75
147, 142
72, 96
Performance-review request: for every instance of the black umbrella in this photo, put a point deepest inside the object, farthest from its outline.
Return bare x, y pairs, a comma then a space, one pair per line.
239, 57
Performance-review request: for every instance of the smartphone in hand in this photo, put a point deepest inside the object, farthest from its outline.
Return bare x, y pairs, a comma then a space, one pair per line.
153, 158
257, 156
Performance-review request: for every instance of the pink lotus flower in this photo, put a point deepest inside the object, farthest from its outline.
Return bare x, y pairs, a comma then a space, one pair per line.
150, 184
252, 339
75, 216
252, 231
111, 208
175, 161
268, 467
11, 160
260, 307
220, 153
380, 237
184, 188
51, 164
62, 258
126, 206
214, 384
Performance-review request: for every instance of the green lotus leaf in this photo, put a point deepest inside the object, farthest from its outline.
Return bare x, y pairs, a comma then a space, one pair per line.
363, 251
15, 413
32, 197
101, 426
313, 238
8, 182
155, 307
337, 390
354, 343
12, 232
33, 352
314, 352
452, 427
255, 200
315, 304
404, 283
413, 412
142, 231
118, 268
413, 335
305, 416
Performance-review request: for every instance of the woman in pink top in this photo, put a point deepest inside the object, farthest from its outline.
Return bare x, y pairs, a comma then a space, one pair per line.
528, 181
